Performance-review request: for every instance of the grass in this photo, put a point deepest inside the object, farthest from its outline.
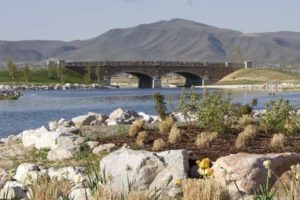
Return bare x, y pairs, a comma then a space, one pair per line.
204, 189
205, 139
141, 138
258, 76
136, 127
158, 144
277, 141
249, 132
175, 135
40, 76
166, 125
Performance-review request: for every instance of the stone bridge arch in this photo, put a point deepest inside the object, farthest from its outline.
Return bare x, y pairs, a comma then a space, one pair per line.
191, 79
144, 80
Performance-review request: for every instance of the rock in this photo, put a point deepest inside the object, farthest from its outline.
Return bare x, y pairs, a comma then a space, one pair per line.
144, 170
194, 172
13, 190
123, 116
104, 147
61, 153
41, 138
285, 184
86, 120
92, 144
80, 194
4, 177
147, 118
248, 172
26, 173
111, 122
69, 173
179, 117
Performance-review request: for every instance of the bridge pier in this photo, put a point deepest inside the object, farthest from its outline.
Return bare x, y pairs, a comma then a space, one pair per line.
157, 83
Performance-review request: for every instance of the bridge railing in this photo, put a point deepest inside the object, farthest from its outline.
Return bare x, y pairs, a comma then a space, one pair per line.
156, 63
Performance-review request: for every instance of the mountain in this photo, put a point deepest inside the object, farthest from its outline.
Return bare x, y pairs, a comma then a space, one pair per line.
177, 39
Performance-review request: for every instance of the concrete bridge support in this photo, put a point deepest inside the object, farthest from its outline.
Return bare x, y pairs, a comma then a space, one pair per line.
157, 83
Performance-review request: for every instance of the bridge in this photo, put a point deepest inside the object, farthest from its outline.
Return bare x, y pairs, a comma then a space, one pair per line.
149, 73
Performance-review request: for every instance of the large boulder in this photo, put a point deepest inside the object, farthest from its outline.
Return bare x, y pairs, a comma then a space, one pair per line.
142, 170
41, 138
248, 172
67, 146
26, 173
120, 116
88, 119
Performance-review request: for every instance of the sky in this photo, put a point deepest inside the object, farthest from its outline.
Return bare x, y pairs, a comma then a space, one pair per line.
83, 19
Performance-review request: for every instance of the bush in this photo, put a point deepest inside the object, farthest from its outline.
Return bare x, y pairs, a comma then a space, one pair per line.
277, 115
166, 125
140, 140
188, 102
212, 112
249, 133
205, 139
277, 141
175, 135
136, 127
158, 144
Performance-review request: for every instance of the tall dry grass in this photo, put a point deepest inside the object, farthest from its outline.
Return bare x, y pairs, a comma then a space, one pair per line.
158, 144
245, 120
138, 195
46, 188
174, 135
106, 193
205, 139
204, 189
140, 140
249, 133
136, 127
277, 141
166, 125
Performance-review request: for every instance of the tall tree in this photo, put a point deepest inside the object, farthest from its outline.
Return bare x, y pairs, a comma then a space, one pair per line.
26, 73
11, 68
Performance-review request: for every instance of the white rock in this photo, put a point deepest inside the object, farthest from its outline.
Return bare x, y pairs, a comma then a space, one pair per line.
104, 147
143, 169
85, 120
123, 116
70, 173
92, 144
61, 153
111, 122
24, 172
13, 190
147, 118
41, 138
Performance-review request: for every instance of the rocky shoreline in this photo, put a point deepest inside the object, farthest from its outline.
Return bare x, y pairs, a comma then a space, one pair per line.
151, 171
10, 94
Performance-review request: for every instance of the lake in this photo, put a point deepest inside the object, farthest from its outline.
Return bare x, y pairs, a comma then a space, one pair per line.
37, 108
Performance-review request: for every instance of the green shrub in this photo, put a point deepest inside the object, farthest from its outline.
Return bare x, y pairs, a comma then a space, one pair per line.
188, 102
215, 112
277, 116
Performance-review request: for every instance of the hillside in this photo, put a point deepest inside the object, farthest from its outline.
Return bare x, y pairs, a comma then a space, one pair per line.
256, 76
172, 40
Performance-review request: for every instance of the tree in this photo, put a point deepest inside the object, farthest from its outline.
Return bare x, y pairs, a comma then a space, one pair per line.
88, 73
26, 73
160, 105
98, 73
11, 68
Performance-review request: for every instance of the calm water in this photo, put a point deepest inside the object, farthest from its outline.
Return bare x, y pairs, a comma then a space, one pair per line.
36, 108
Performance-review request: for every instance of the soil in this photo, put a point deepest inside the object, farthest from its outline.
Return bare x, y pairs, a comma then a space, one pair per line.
222, 146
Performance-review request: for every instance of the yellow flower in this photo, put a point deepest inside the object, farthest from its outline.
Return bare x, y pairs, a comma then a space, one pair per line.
198, 162
201, 171
205, 163
208, 172
177, 182
267, 164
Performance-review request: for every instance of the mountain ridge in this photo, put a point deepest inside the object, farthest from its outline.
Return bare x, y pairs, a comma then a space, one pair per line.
172, 40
